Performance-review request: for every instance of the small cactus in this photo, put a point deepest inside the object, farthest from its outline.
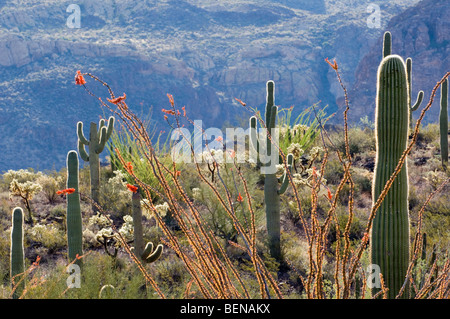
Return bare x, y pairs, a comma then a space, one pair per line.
17, 253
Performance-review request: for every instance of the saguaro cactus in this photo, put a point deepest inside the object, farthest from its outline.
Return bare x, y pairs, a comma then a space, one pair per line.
96, 143
387, 48
74, 222
17, 252
415, 106
147, 254
390, 230
443, 124
272, 190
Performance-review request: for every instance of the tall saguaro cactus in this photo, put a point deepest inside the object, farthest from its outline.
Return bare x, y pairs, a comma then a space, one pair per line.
96, 143
272, 190
443, 124
17, 252
390, 230
74, 222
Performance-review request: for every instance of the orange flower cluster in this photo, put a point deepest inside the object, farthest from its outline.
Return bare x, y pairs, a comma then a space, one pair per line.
132, 188
240, 101
118, 99
38, 259
79, 79
170, 112
329, 194
334, 66
240, 198
129, 167
66, 191
170, 96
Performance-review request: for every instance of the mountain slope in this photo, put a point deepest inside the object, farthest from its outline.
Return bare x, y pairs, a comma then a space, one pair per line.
422, 33
204, 53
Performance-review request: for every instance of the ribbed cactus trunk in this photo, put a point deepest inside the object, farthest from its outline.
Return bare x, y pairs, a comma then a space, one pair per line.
443, 124
74, 221
271, 196
272, 190
137, 223
390, 231
17, 253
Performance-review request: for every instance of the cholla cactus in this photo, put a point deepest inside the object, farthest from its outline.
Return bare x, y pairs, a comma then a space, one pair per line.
26, 191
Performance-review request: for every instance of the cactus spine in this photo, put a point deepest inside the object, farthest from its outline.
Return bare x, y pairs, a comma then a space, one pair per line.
443, 124
147, 254
74, 223
390, 231
96, 143
17, 253
272, 191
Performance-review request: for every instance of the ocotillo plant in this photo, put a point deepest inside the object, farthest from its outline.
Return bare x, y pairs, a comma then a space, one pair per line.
17, 253
147, 254
96, 143
74, 222
272, 190
443, 124
387, 48
390, 230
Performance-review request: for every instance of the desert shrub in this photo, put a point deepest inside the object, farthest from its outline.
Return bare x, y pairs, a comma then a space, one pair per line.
49, 235
50, 185
114, 196
360, 141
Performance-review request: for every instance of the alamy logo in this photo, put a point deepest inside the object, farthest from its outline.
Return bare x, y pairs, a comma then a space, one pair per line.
373, 278
195, 148
74, 279
74, 20
374, 20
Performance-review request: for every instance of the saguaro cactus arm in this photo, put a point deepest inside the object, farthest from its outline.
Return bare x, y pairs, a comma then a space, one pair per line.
387, 44
149, 255
285, 178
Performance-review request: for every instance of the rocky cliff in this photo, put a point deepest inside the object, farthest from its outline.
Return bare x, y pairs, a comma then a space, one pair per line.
420, 32
205, 53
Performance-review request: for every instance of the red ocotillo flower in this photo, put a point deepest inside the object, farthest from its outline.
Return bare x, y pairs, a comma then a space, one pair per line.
170, 112
334, 66
118, 99
129, 167
172, 102
79, 79
65, 191
240, 198
132, 188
